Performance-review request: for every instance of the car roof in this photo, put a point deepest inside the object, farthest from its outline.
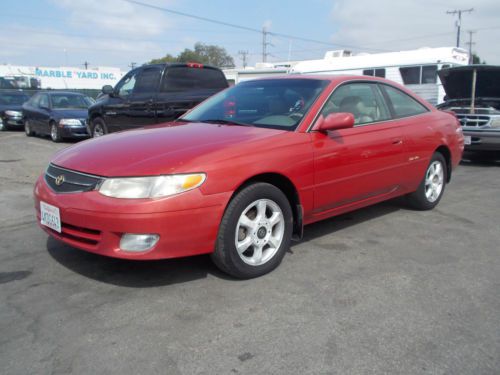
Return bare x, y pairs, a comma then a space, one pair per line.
61, 93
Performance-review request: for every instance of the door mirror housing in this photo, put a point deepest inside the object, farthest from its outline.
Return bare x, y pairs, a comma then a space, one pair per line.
334, 121
108, 90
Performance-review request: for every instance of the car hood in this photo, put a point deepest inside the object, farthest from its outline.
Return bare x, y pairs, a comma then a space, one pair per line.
69, 113
168, 148
457, 82
14, 107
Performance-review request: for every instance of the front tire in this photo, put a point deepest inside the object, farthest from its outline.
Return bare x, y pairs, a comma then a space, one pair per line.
99, 128
3, 126
27, 128
431, 189
255, 232
55, 133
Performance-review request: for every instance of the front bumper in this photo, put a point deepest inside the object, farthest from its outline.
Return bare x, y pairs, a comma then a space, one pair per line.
483, 140
187, 223
74, 132
14, 121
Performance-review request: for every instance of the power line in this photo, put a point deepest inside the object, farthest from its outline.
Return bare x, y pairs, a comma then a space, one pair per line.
223, 23
459, 20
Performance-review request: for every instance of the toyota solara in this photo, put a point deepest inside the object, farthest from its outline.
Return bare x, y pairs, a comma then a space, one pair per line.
242, 173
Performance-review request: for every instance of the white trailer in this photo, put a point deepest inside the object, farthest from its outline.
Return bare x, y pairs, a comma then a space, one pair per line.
416, 69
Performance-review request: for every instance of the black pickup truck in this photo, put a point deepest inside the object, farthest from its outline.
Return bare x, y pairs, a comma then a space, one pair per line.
153, 94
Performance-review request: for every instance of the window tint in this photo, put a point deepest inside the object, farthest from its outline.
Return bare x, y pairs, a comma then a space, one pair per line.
415, 75
69, 101
44, 101
410, 75
148, 80
403, 104
126, 85
35, 100
185, 78
374, 72
363, 100
429, 74
267, 103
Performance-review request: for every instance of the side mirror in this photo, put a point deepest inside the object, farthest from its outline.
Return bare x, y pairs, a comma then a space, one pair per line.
108, 90
334, 121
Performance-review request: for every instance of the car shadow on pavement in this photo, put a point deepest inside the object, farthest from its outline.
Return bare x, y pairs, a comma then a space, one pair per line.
153, 273
491, 159
130, 273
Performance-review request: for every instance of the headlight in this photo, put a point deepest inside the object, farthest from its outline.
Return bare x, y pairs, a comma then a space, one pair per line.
495, 122
13, 113
150, 187
70, 121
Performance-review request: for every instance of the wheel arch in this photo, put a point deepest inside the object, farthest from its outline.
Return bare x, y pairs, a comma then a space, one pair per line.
288, 188
445, 151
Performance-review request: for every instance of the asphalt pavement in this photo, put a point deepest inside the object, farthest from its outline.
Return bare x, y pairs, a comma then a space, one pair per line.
382, 290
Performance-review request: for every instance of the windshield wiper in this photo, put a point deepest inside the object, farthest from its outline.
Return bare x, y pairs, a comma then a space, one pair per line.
225, 122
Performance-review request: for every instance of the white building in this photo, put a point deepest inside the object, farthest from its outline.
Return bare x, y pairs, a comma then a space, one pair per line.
61, 77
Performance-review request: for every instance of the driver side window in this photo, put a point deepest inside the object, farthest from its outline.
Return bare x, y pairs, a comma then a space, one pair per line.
127, 84
363, 100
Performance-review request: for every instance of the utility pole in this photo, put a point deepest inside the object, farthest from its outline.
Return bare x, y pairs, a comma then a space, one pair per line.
459, 20
86, 65
470, 43
243, 55
132, 65
265, 43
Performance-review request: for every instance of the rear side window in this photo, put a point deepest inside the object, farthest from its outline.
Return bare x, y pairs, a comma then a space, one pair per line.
403, 104
148, 80
183, 78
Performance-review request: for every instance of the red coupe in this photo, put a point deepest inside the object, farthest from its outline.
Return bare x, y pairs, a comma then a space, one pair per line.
243, 172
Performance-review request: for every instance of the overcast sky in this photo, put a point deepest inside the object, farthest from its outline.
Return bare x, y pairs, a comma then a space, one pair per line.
117, 32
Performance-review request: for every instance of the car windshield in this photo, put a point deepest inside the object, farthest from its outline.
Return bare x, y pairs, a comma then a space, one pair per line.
12, 99
69, 101
269, 103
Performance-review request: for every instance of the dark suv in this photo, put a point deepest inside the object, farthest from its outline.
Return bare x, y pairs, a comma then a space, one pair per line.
153, 94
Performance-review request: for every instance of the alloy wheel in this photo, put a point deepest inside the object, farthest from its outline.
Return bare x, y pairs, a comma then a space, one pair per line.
259, 232
434, 181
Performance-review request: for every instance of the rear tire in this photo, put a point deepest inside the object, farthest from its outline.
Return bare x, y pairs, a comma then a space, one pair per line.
98, 128
55, 133
431, 189
255, 232
27, 128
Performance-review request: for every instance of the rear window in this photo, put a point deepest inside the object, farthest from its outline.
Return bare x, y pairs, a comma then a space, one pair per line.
184, 78
12, 99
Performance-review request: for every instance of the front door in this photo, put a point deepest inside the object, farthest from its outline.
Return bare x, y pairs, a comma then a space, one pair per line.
361, 163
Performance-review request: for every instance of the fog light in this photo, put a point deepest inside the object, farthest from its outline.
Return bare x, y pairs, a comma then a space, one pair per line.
138, 242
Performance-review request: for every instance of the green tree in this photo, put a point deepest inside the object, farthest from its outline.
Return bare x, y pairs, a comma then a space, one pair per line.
477, 60
167, 58
203, 54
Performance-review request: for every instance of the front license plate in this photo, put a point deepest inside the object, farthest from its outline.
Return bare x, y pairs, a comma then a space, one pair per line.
467, 139
50, 216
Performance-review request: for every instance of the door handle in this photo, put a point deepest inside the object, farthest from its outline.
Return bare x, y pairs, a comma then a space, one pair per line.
397, 141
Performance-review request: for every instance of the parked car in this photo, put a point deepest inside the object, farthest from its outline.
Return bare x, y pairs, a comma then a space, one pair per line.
58, 114
11, 103
153, 94
473, 94
243, 172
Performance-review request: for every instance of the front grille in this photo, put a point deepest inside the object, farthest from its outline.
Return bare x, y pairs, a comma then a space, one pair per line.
473, 120
63, 180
